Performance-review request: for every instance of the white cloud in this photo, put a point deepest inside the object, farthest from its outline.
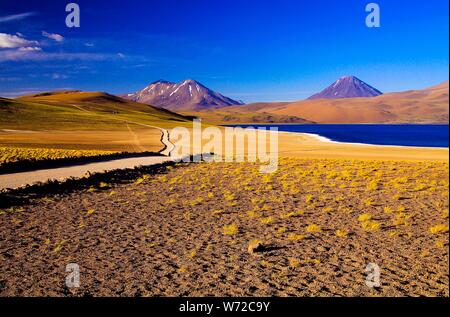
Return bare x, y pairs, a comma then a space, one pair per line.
88, 44
59, 76
53, 36
14, 41
28, 91
14, 17
121, 55
30, 49
10, 79
39, 56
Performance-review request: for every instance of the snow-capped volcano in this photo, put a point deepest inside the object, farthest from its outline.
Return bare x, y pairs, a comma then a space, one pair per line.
185, 96
347, 87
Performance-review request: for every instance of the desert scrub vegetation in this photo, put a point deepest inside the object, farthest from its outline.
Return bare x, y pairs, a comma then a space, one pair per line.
439, 229
227, 220
14, 155
231, 229
315, 197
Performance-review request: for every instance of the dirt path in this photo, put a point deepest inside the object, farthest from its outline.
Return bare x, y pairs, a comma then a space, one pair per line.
137, 143
165, 137
21, 179
168, 146
17, 180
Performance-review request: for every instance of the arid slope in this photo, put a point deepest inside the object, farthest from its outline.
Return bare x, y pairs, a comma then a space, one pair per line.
429, 105
83, 121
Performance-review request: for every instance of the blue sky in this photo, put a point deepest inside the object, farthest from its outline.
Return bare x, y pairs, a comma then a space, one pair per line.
253, 50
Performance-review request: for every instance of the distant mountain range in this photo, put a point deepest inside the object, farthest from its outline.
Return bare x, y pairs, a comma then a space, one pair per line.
191, 99
189, 95
430, 105
347, 87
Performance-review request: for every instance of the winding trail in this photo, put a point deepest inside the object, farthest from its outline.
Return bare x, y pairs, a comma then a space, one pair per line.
16, 180
165, 137
165, 140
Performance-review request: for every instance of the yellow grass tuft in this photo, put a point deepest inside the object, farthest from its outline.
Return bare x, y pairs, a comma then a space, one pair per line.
58, 246
341, 233
192, 253
312, 228
364, 217
439, 229
267, 220
140, 180
370, 225
288, 215
12, 154
295, 237
252, 214
231, 229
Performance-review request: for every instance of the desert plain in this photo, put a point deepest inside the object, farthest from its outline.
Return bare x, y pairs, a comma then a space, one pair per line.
224, 229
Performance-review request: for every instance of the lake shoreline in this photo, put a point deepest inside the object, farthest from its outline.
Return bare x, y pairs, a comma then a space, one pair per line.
323, 137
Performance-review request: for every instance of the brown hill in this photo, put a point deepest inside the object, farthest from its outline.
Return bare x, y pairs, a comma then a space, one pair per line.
102, 103
75, 110
430, 105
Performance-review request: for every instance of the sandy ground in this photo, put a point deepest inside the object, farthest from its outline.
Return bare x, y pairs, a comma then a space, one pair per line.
329, 211
302, 145
16, 180
290, 145
134, 139
320, 223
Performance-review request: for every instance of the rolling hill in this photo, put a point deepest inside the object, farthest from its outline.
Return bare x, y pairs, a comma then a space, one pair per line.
430, 105
78, 120
68, 110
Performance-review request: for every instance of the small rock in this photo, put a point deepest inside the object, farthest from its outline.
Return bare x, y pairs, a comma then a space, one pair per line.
255, 246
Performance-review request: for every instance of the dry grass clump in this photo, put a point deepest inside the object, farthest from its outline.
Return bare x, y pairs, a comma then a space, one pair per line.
12, 154
231, 229
442, 228
313, 228
341, 233
309, 216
